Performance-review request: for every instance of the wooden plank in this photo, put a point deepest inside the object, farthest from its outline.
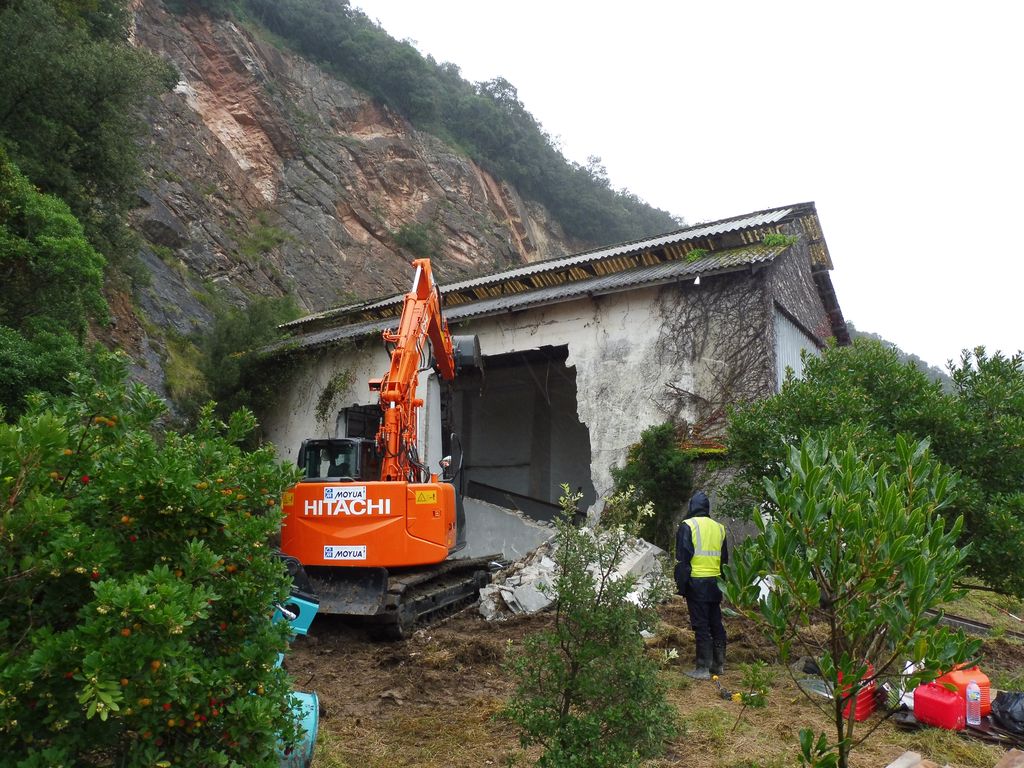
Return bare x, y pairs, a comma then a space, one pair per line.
906, 760
1012, 759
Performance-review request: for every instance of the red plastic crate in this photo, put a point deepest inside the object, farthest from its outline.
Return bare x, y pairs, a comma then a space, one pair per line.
865, 699
934, 704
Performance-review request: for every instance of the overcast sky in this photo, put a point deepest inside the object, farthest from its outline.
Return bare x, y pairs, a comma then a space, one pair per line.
900, 120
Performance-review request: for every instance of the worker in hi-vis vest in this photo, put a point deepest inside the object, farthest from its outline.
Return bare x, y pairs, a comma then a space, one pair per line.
700, 551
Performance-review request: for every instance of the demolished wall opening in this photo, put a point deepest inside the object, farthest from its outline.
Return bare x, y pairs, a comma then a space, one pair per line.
520, 432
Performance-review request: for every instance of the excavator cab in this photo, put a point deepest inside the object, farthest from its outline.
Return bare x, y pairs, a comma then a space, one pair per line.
344, 459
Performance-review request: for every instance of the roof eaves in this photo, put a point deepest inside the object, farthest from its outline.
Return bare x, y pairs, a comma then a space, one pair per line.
536, 271
647, 276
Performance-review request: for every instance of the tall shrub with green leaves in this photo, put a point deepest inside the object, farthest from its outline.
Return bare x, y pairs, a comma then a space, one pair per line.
235, 372
862, 550
662, 474
71, 97
586, 690
988, 401
136, 586
865, 396
50, 288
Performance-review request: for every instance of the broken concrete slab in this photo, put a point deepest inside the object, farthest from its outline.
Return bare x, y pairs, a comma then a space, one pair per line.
527, 586
491, 529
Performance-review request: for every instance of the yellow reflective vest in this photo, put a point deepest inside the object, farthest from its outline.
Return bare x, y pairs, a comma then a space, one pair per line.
707, 536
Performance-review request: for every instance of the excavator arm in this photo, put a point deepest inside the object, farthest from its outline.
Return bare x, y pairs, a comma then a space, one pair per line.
421, 321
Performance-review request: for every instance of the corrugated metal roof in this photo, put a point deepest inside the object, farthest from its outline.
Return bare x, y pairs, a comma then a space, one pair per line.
654, 274
537, 271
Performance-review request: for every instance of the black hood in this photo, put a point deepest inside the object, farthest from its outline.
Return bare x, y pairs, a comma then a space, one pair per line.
700, 506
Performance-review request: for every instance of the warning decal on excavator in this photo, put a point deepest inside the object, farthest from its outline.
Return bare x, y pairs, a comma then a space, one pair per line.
426, 497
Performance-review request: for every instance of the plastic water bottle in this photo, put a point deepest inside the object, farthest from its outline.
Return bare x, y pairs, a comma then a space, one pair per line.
973, 704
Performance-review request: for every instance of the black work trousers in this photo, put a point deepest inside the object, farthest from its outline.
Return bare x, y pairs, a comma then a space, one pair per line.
706, 620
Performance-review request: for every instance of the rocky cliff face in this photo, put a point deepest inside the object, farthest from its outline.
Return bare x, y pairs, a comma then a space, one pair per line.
267, 177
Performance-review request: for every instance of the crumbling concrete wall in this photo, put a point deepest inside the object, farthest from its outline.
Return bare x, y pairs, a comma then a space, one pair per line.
627, 376
624, 371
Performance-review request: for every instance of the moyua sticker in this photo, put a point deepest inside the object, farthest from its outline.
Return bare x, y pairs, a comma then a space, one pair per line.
347, 492
347, 552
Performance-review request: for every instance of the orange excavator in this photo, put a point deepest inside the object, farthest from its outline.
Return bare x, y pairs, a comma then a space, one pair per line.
370, 530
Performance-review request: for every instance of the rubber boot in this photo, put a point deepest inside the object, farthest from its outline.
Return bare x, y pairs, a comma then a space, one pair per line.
718, 659
702, 662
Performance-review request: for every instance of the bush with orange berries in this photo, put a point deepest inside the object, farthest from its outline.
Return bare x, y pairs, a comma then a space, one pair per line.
135, 592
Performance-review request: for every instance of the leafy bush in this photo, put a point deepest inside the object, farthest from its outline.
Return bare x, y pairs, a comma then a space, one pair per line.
136, 586
235, 373
419, 239
863, 395
862, 551
586, 691
70, 107
662, 474
50, 288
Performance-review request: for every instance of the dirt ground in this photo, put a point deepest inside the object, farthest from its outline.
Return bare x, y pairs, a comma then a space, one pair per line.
434, 700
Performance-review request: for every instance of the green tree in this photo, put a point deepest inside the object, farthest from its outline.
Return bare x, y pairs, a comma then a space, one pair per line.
585, 690
236, 373
71, 92
661, 473
50, 288
988, 450
865, 396
864, 552
136, 586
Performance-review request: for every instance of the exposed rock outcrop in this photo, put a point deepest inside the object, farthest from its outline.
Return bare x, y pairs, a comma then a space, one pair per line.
268, 177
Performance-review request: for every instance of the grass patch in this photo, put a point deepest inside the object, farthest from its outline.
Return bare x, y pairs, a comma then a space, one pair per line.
948, 747
185, 383
1003, 612
434, 738
709, 726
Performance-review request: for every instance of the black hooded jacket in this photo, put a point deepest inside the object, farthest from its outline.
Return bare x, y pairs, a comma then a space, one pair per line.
703, 589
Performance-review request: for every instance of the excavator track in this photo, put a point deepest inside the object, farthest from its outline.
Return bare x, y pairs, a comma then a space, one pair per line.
423, 595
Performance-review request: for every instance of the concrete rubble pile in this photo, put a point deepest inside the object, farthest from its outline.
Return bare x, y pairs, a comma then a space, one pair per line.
527, 586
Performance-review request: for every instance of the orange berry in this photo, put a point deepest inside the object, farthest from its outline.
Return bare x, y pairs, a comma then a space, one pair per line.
124, 682
145, 702
68, 452
155, 664
126, 632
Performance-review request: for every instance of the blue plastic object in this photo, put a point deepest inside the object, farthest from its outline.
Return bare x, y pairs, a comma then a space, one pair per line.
300, 755
304, 609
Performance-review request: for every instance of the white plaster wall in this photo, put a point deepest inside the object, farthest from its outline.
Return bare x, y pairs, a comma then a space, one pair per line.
294, 419
612, 341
